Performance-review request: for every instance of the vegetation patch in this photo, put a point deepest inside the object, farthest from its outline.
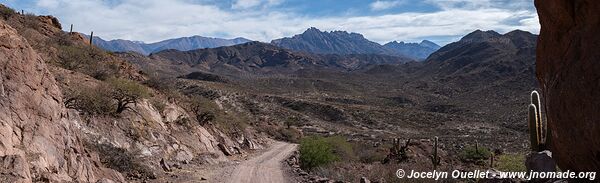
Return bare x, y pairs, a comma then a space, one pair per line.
318, 151
122, 161
511, 163
475, 154
315, 152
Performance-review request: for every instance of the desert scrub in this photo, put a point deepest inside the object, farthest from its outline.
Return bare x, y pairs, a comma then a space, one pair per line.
318, 151
6, 12
158, 104
122, 161
511, 163
288, 134
315, 152
477, 155
73, 57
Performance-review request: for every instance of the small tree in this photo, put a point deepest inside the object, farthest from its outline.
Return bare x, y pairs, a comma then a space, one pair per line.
125, 93
202, 109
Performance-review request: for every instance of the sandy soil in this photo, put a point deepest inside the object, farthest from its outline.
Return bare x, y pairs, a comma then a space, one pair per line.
264, 168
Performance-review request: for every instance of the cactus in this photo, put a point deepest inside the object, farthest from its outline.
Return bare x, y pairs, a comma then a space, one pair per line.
435, 159
533, 128
538, 129
71, 30
92, 38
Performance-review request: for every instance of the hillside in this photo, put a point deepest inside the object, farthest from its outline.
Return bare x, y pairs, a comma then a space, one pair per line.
257, 58
79, 114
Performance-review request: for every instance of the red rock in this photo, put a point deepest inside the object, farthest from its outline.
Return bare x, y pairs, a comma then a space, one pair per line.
37, 140
568, 68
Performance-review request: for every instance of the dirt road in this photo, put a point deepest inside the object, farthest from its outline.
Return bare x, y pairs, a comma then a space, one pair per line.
265, 168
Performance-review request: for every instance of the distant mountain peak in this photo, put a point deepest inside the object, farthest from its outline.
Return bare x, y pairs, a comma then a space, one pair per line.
480, 35
314, 40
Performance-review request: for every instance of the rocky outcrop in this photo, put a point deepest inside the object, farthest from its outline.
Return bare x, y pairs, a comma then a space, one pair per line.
568, 69
37, 141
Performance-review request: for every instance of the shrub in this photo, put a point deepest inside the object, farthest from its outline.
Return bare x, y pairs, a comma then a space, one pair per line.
315, 152
476, 155
342, 148
288, 134
158, 104
73, 57
126, 92
511, 163
6, 12
293, 121
203, 109
122, 161
89, 100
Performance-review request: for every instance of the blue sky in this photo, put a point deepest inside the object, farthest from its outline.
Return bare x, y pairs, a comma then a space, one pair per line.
441, 21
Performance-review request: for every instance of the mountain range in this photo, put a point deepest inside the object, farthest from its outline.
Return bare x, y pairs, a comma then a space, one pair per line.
314, 40
419, 51
183, 44
258, 57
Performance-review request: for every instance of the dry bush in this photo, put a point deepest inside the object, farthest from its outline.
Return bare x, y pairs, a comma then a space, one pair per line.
126, 93
122, 161
6, 12
89, 100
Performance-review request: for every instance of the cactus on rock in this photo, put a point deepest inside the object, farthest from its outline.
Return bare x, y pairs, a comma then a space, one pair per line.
538, 129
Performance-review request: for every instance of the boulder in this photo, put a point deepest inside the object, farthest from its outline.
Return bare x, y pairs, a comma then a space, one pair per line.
568, 69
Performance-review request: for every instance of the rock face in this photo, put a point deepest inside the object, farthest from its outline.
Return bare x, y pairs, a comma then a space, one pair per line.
568, 69
38, 143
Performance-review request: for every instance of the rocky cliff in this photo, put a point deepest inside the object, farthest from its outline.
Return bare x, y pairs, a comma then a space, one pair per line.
569, 74
38, 142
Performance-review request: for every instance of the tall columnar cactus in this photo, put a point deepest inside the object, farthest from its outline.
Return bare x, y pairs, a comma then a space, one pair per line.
538, 129
92, 38
435, 159
534, 137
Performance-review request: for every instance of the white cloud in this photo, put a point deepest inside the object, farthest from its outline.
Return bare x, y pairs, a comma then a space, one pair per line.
47, 3
155, 20
245, 4
383, 5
